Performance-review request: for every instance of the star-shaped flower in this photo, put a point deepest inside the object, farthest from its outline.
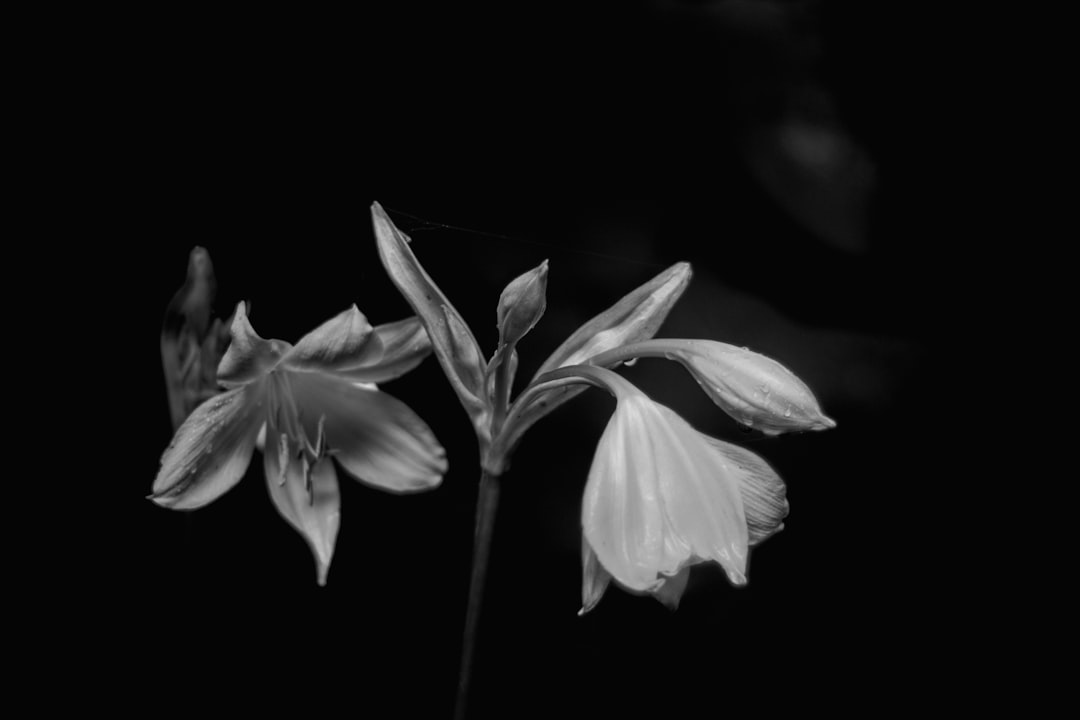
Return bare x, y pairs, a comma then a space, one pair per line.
312, 402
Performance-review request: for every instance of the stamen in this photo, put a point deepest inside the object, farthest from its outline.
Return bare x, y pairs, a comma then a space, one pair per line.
283, 458
307, 482
319, 450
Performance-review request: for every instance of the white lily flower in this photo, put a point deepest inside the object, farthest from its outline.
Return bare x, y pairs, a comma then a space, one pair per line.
662, 496
313, 401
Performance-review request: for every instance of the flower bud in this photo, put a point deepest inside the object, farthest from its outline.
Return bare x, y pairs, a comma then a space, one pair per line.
754, 389
522, 304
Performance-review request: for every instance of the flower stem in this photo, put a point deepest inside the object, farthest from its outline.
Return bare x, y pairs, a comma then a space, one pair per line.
655, 347
487, 502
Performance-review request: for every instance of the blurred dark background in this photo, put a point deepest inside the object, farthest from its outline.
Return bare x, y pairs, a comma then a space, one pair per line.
775, 146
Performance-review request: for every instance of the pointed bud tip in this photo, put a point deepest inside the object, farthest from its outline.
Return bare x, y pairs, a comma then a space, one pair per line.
378, 214
239, 318
160, 500
825, 423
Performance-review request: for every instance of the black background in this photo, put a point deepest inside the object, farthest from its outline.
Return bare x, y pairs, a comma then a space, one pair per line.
613, 140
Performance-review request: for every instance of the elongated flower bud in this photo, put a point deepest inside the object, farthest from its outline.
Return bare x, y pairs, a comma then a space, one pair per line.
754, 389
522, 304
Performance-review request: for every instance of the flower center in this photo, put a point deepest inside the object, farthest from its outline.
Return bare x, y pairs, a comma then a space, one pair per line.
287, 422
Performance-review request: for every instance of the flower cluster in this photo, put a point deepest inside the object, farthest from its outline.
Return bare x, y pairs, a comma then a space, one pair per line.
660, 496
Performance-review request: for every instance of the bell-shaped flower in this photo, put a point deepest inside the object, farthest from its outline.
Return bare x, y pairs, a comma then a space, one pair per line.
662, 496
313, 402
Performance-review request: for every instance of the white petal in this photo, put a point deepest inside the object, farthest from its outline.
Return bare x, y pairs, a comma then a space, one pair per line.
316, 515
405, 344
374, 436
763, 493
249, 356
594, 578
211, 450
341, 342
700, 495
621, 515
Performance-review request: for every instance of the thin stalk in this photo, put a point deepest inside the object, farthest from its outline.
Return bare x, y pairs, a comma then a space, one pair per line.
487, 503
522, 414
502, 389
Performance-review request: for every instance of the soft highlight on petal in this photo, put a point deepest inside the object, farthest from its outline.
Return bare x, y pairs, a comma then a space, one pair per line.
211, 450
699, 493
343, 341
316, 514
249, 356
621, 515
375, 437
